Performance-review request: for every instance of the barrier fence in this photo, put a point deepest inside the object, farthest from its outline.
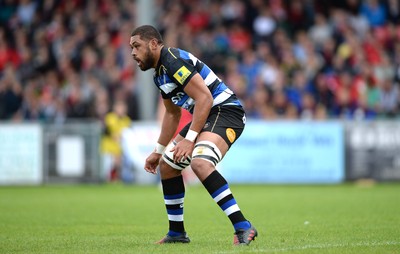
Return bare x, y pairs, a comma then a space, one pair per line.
267, 152
32, 153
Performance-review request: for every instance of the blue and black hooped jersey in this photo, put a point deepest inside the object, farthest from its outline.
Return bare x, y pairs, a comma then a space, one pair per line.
176, 67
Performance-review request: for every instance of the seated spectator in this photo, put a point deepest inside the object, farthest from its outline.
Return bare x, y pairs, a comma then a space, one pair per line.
389, 99
11, 97
374, 11
84, 44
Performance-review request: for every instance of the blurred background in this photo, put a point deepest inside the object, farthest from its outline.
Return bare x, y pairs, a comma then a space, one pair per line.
319, 81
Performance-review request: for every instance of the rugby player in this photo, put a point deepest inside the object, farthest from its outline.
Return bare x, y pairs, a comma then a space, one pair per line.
218, 121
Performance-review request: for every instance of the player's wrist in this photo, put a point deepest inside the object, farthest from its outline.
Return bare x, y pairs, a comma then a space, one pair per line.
159, 148
191, 135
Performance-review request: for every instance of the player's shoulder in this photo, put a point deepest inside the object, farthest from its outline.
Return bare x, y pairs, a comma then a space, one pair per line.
169, 54
171, 58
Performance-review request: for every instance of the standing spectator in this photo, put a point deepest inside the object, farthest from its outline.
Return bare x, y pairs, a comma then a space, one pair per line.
114, 123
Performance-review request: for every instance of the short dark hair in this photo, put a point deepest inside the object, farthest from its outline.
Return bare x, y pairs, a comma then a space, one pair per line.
147, 33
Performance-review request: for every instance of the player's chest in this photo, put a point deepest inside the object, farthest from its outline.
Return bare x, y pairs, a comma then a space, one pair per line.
166, 84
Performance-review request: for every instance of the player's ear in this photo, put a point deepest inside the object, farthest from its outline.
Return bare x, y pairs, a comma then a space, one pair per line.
153, 44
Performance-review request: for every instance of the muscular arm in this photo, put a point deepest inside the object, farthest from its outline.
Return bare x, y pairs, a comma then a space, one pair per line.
169, 125
170, 122
197, 90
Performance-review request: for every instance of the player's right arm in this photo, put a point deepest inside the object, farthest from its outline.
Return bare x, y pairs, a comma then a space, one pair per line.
170, 122
169, 126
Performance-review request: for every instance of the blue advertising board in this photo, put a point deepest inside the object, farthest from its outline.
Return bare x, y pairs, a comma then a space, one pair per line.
287, 152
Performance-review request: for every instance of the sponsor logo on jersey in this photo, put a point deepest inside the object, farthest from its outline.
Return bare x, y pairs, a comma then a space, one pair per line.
182, 74
206, 125
231, 134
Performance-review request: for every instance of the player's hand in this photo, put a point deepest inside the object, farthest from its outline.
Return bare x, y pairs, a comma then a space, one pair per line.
152, 163
182, 150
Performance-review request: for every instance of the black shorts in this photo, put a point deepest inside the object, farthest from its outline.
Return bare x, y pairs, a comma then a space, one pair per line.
226, 121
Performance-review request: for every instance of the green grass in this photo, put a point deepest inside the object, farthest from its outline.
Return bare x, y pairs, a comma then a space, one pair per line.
128, 219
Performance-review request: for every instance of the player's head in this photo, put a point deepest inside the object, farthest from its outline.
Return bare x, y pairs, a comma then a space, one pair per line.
147, 33
145, 41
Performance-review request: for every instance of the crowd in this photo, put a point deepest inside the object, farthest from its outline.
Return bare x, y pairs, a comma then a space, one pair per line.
297, 59
63, 60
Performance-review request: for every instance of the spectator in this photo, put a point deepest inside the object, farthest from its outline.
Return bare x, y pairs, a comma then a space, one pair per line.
71, 58
389, 99
250, 68
10, 95
297, 88
264, 25
114, 123
322, 92
374, 11
299, 15
320, 31
25, 11
320, 113
393, 11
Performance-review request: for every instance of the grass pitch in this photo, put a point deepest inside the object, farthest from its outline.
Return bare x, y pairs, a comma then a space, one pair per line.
116, 218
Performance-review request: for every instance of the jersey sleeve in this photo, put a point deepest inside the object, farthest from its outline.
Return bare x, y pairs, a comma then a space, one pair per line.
180, 71
163, 95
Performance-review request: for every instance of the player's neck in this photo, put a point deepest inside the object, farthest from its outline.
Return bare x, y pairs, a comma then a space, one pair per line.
157, 56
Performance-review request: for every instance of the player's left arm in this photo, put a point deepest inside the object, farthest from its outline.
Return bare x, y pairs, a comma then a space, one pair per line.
199, 92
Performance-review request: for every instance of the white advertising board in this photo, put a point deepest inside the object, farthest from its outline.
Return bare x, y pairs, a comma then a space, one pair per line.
20, 154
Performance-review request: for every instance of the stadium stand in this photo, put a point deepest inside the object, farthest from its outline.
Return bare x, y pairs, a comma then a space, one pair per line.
299, 59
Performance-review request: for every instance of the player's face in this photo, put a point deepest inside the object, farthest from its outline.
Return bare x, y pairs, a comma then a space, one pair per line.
142, 53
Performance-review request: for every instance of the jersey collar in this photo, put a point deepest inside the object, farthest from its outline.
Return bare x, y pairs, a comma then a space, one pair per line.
159, 64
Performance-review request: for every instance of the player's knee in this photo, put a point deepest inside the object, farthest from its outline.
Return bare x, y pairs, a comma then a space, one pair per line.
199, 165
168, 158
205, 154
166, 171
163, 165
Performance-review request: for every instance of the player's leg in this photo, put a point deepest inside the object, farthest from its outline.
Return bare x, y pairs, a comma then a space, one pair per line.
211, 146
174, 193
203, 165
